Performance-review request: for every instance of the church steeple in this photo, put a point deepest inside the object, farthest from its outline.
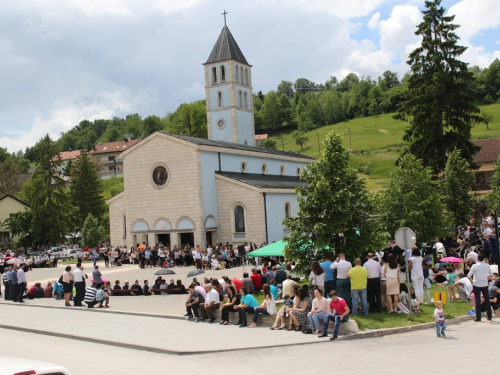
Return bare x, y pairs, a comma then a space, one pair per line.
226, 48
228, 87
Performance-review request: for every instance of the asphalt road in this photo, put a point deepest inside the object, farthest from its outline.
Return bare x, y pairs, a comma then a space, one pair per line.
469, 347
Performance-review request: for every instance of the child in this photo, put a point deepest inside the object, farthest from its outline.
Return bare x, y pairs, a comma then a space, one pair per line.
415, 303
440, 319
450, 279
288, 303
403, 299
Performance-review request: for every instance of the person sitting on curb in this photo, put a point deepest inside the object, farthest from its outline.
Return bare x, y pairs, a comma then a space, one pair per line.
212, 302
341, 315
90, 295
193, 303
247, 305
268, 306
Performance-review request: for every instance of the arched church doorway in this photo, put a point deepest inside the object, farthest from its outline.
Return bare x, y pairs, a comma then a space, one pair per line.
163, 239
186, 239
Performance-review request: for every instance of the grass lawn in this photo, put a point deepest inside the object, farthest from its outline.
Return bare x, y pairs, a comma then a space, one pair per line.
376, 142
384, 320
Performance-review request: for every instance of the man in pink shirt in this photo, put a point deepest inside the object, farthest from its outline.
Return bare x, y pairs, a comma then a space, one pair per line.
339, 314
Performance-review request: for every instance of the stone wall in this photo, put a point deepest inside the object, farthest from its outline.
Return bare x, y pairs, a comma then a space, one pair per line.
229, 195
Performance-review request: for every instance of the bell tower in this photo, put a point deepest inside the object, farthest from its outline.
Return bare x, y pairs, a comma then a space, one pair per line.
228, 88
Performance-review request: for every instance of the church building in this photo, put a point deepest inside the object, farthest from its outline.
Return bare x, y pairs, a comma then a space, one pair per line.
182, 190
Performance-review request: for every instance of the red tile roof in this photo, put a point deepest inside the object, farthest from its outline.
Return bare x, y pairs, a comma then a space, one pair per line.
67, 155
108, 147
490, 148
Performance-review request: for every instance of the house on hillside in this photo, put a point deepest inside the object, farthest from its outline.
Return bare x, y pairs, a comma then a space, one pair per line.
66, 158
109, 154
485, 159
9, 205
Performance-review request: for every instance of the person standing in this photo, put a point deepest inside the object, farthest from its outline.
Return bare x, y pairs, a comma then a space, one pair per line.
359, 280
373, 287
21, 279
7, 280
329, 278
343, 283
197, 258
96, 275
79, 283
479, 275
67, 281
95, 256
15, 284
79, 255
417, 272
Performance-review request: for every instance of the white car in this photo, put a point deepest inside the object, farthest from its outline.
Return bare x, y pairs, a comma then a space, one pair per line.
14, 366
68, 254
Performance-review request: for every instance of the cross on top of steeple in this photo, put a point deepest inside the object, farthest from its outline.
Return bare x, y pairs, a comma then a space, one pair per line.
224, 14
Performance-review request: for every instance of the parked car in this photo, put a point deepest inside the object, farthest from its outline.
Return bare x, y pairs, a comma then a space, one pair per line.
13, 366
68, 254
56, 250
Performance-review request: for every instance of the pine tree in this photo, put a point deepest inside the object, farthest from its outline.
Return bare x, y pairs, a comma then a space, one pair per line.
333, 210
455, 188
85, 190
47, 197
439, 106
411, 199
92, 232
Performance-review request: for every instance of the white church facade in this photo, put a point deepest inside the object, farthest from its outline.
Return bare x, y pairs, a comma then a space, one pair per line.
183, 190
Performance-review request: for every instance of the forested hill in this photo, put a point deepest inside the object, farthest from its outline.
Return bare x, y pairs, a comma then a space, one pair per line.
301, 105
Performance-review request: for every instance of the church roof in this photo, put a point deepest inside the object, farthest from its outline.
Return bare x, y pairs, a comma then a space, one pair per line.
236, 146
265, 181
226, 48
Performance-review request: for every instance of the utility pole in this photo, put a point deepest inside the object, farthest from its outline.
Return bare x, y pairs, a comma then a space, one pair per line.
319, 145
349, 131
282, 143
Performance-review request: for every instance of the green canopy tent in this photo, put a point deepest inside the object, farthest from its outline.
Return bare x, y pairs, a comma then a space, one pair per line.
274, 249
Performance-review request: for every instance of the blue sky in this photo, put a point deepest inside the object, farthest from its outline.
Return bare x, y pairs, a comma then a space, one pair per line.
62, 62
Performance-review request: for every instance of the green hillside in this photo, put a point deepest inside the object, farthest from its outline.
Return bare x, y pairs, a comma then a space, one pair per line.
376, 142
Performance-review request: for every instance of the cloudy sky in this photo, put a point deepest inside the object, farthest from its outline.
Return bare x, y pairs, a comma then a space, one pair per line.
62, 61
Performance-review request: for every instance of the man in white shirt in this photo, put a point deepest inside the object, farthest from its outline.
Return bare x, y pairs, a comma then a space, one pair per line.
471, 254
343, 283
417, 273
479, 275
212, 302
21, 280
464, 287
79, 282
373, 286
487, 229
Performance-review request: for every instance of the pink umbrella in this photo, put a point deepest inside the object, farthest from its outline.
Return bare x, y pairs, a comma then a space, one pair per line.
16, 261
451, 260
103, 280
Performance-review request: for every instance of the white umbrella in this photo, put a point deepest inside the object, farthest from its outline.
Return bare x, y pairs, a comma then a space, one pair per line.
16, 261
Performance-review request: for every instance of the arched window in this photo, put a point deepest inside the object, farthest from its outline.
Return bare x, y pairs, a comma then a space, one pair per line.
214, 75
241, 75
237, 74
240, 99
246, 100
239, 219
288, 210
219, 100
246, 76
222, 73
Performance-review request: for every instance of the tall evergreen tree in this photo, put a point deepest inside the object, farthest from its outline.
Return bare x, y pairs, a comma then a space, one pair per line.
48, 199
333, 210
85, 190
439, 106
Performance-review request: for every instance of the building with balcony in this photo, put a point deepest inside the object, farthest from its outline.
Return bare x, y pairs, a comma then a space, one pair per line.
109, 155
485, 159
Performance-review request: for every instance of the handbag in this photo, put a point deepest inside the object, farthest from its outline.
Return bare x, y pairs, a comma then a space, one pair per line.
401, 277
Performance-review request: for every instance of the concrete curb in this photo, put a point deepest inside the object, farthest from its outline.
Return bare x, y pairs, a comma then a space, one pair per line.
393, 331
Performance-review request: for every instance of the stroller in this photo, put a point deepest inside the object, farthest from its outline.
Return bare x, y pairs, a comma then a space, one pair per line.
58, 290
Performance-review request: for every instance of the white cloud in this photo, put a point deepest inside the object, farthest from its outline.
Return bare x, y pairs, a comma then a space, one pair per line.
474, 18
374, 21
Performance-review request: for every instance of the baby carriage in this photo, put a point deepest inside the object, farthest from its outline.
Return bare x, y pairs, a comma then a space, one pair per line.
58, 290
